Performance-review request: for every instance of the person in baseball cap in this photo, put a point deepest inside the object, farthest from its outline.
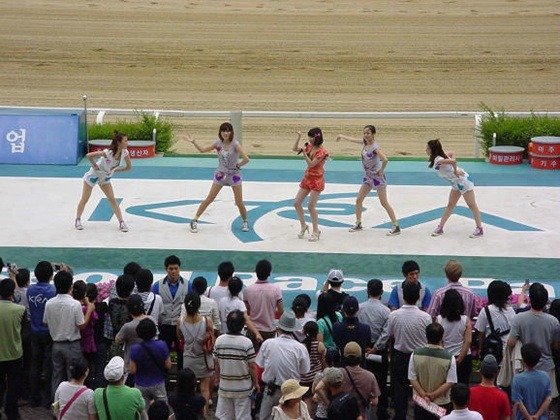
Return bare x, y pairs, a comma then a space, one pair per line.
333, 286
114, 371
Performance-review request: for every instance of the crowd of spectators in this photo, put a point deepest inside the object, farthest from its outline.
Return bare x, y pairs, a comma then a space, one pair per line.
87, 356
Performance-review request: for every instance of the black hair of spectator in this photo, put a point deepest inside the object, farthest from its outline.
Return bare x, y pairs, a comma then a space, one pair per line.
92, 292
225, 270
78, 368
434, 333
235, 322
63, 282
186, 382
158, 410
192, 303
124, 285
79, 290
23, 277
538, 296
235, 286
146, 329
144, 280
460, 394
7, 288
410, 266
199, 285
263, 269
43, 271
375, 287
411, 292
452, 306
172, 260
531, 354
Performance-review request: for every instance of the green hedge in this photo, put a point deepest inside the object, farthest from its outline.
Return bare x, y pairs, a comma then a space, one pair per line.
137, 130
514, 131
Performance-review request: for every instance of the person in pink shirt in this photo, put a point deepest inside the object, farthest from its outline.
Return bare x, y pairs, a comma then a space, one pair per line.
263, 300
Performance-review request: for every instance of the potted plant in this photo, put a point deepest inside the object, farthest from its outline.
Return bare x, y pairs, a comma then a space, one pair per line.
146, 136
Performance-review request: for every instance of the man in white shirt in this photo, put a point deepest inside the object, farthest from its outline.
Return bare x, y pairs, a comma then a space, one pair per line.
282, 358
407, 328
460, 394
64, 317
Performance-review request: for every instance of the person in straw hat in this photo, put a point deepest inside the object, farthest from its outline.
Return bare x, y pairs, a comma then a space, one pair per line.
291, 406
281, 358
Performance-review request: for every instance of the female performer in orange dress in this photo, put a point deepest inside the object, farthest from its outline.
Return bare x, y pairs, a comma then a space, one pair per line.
313, 182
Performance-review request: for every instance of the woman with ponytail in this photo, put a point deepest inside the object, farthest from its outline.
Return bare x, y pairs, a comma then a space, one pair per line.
104, 164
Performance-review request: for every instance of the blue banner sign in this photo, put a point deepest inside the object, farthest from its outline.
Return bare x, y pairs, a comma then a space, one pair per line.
42, 136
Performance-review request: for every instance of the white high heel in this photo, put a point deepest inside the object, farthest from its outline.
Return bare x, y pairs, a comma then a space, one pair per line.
301, 234
315, 236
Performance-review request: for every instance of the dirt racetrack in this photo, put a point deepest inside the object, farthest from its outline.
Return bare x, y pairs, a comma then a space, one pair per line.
287, 55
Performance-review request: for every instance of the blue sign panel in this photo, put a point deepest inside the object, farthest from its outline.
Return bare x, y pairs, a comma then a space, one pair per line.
42, 136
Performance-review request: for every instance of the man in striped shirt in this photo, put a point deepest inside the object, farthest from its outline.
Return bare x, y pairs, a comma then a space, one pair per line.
236, 369
453, 272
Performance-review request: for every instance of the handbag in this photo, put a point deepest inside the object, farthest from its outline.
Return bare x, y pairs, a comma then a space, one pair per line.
208, 342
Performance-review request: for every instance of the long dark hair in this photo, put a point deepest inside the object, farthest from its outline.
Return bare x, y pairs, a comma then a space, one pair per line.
436, 149
452, 306
311, 329
371, 128
326, 307
117, 138
498, 293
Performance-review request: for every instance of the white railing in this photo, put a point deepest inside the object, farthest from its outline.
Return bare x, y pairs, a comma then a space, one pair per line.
236, 117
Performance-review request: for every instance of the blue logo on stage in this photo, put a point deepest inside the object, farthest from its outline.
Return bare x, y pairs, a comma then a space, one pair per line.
326, 207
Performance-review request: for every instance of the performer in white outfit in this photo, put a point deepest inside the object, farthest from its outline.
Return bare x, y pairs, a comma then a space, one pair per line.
104, 164
446, 167
228, 172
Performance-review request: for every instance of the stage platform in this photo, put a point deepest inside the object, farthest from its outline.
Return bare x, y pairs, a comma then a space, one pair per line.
520, 209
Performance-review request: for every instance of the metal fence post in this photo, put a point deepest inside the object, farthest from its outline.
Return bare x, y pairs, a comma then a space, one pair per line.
236, 119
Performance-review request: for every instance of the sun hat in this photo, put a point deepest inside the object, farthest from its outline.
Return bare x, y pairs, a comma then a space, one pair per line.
288, 322
291, 389
114, 370
336, 276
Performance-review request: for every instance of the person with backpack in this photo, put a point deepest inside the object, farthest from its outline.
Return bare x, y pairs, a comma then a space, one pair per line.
118, 313
500, 312
359, 382
343, 406
149, 363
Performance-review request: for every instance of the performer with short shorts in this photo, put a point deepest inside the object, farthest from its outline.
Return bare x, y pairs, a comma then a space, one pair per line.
374, 162
313, 182
104, 164
446, 167
228, 172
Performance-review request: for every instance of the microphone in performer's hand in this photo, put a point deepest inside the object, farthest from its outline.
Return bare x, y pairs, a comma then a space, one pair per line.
301, 150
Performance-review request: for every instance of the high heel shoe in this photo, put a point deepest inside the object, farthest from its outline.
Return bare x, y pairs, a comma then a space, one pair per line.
301, 234
315, 236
